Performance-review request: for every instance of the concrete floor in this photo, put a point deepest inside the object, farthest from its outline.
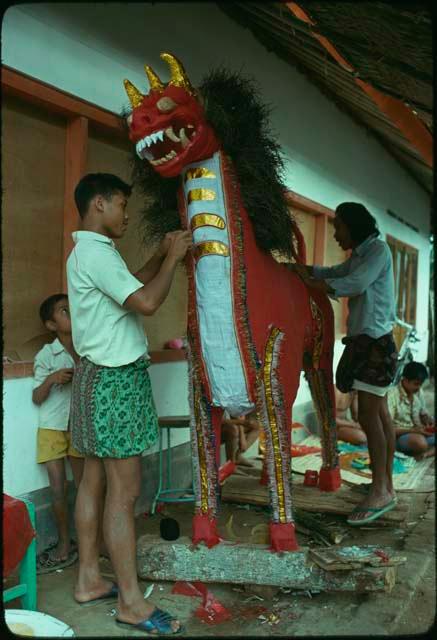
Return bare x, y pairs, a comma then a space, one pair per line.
409, 608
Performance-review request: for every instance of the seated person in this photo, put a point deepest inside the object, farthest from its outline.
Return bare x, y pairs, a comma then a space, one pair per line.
348, 428
238, 434
412, 423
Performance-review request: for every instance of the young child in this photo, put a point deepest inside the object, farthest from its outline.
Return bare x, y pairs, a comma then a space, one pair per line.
348, 428
413, 425
53, 372
238, 434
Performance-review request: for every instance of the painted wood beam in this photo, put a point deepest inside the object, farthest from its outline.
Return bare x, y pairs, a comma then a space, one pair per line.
320, 239
76, 145
255, 564
54, 100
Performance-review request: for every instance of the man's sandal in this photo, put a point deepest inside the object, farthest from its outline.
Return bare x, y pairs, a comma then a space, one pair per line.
47, 562
376, 512
157, 624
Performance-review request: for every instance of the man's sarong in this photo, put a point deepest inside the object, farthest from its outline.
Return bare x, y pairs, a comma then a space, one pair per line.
370, 360
113, 414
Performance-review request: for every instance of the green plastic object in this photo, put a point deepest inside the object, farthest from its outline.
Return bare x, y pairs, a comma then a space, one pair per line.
165, 492
27, 587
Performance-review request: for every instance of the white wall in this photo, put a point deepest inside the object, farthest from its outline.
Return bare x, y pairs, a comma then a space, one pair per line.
87, 50
22, 474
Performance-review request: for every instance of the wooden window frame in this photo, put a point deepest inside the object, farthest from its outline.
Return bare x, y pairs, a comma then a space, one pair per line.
391, 240
322, 215
79, 115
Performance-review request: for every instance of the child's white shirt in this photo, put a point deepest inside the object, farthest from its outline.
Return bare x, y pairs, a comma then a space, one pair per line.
54, 412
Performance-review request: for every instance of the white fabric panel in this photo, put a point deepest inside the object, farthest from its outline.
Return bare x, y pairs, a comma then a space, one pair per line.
214, 302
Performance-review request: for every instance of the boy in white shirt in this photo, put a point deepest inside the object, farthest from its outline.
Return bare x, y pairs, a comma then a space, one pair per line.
53, 373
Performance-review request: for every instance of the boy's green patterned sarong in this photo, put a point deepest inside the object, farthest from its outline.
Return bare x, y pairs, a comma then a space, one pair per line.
113, 414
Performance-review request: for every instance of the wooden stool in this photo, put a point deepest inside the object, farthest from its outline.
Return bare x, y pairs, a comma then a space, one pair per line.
162, 494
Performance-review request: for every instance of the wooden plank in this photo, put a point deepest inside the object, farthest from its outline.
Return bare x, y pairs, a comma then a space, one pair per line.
346, 558
229, 563
247, 489
75, 163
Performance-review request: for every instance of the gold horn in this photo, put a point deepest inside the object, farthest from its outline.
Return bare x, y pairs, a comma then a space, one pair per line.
154, 81
179, 77
135, 96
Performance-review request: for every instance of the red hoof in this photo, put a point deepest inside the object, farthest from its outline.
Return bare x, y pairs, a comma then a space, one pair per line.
205, 530
283, 537
329, 479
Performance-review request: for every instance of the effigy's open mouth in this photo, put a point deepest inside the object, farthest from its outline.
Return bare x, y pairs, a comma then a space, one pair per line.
164, 145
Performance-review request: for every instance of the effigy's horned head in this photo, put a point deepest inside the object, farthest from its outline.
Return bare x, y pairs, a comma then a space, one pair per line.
168, 125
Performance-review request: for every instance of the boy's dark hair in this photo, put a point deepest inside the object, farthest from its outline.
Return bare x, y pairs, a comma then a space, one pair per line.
360, 222
93, 184
415, 371
48, 306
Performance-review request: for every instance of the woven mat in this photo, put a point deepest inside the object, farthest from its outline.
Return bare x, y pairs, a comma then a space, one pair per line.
412, 479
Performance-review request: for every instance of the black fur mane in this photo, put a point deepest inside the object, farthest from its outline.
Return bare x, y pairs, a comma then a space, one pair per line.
241, 122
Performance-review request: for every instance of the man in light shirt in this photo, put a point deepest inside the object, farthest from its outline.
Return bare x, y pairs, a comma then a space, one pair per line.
368, 363
113, 415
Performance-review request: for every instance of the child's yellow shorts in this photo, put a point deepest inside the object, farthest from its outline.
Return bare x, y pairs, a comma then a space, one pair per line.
53, 444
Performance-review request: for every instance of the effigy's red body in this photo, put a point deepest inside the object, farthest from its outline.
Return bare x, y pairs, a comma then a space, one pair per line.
280, 326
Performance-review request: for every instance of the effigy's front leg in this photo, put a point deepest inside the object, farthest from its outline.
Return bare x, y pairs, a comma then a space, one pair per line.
205, 468
277, 448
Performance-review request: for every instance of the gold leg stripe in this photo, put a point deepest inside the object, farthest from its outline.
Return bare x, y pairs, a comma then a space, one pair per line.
198, 172
208, 248
200, 194
207, 220
267, 375
202, 455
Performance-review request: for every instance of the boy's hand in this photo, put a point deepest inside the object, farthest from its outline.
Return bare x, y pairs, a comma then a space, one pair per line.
166, 243
63, 376
180, 242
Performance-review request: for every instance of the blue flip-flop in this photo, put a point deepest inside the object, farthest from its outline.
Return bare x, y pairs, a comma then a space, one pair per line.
376, 512
157, 624
112, 593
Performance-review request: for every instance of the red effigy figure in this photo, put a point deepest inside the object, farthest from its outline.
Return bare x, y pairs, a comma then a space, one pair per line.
252, 324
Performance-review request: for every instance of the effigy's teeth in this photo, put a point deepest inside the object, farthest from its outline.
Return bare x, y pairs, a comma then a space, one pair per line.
184, 140
171, 134
160, 135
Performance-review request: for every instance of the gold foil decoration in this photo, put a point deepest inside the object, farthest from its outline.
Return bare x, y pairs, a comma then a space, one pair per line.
210, 247
201, 452
154, 81
199, 172
315, 312
207, 220
179, 76
135, 96
200, 194
267, 373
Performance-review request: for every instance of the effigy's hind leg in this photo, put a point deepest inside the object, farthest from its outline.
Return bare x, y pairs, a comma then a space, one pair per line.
320, 381
318, 371
271, 409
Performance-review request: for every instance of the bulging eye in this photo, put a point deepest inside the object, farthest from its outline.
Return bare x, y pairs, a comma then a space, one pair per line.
166, 104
